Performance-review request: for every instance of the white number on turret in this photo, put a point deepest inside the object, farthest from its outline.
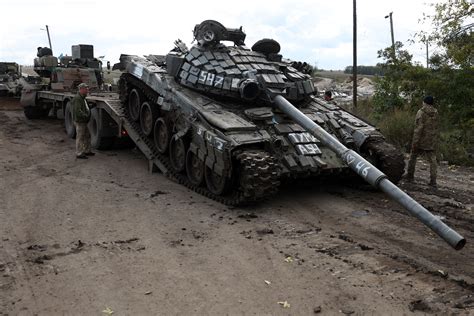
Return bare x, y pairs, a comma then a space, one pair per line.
218, 81
202, 77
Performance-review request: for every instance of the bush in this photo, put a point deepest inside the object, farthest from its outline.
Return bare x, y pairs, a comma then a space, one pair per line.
453, 149
456, 143
397, 126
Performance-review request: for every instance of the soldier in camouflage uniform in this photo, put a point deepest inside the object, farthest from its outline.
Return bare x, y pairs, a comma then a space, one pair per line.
81, 114
425, 139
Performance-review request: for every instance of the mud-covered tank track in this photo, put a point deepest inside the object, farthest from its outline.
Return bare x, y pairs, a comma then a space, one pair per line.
258, 180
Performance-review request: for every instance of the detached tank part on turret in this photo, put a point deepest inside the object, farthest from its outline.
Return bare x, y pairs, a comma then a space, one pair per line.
231, 123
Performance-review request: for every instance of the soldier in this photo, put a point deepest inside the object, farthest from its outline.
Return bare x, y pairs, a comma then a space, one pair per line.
81, 114
425, 138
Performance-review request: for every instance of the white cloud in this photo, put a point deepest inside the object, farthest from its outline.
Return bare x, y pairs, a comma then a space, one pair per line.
312, 31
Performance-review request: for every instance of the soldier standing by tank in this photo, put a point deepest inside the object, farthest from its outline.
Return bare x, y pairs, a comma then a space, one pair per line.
81, 114
425, 139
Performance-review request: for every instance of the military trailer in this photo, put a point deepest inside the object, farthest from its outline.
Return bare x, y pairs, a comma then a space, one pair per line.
232, 123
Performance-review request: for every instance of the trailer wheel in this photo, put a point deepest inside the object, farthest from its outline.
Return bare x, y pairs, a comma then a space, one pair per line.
68, 121
148, 115
194, 168
34, 112
161, 135
178, 154
217, 184
95, 129
134, 103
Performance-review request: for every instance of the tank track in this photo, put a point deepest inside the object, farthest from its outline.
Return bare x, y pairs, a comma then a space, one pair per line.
389, 160
261, 172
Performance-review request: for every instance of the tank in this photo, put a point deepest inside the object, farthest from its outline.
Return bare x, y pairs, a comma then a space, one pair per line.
62, 74
10, 79
232, 123
66, 72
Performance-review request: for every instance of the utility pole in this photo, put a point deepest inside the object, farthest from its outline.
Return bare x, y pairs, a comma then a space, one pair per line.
49, 38
427, 59
391, 31
354, 56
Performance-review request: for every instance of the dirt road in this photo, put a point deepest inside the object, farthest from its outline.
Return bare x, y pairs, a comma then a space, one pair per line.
101, 235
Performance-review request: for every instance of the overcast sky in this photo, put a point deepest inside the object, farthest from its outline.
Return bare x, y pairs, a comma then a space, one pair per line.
316, 31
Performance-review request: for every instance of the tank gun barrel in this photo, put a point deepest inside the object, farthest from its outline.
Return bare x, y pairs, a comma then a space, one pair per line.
371, 174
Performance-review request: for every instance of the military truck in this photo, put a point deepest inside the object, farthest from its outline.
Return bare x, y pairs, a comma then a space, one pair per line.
231, 123
10, 74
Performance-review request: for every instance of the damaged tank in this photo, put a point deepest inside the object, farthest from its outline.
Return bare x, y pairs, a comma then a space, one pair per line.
210, 113
231, 123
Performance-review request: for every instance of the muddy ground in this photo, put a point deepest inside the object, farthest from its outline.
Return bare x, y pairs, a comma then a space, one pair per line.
88, 237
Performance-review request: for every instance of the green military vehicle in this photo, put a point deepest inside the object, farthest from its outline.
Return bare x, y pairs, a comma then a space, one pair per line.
10, 74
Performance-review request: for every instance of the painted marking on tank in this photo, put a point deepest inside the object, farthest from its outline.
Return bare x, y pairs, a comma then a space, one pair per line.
210, 79
302, 138
138, 71
218, 81
219, 143
361, 167
308, 149
202, 77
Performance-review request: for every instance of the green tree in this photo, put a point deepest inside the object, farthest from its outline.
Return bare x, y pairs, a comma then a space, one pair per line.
451, 30
449, 79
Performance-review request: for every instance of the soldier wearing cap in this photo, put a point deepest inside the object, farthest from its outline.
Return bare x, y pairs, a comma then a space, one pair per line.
425, 139
81, 114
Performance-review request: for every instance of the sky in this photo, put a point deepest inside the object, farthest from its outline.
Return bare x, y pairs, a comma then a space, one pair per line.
315, 31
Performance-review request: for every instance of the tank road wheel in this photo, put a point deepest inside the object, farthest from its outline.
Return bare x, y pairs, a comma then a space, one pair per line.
148, 115
194, 169
35, 112
134, 103
69, 122
217, 184
161, 135
177, 154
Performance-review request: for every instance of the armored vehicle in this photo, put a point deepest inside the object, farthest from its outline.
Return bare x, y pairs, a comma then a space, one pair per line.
63, 74
9, 79
210, 113
231, 123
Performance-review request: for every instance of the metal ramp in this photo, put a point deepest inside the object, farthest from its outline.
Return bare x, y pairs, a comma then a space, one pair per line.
114, 108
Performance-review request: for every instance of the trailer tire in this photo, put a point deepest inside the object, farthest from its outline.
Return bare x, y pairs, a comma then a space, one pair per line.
68, 121
95, 129
34, 112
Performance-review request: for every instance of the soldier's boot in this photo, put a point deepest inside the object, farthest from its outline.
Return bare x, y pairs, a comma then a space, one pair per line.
433, 168
410, 175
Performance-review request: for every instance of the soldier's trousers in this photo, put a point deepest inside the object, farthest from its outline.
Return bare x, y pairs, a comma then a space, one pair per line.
83, 139
431, 156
